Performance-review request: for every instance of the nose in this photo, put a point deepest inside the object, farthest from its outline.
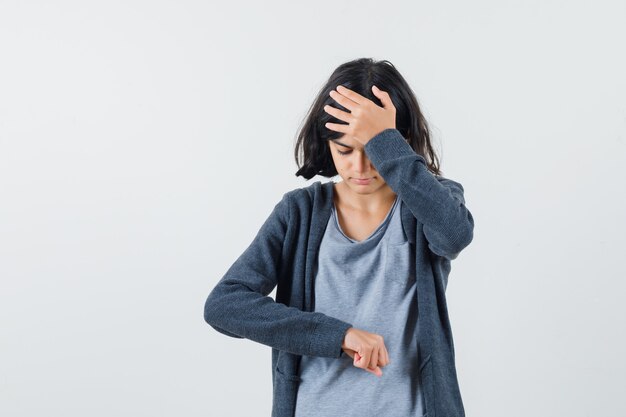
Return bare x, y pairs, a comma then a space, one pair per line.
362, 162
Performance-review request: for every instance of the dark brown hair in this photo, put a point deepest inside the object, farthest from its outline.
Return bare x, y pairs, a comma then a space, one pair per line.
312, 152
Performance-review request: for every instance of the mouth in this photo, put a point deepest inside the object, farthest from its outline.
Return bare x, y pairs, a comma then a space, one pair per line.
362, 181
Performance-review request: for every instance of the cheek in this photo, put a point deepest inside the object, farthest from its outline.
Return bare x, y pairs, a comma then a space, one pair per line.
338, 161
341, 165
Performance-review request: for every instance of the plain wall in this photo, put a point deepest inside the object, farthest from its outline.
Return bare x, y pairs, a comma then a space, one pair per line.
143, 144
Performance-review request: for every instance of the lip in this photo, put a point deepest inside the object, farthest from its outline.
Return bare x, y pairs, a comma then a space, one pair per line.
362, 181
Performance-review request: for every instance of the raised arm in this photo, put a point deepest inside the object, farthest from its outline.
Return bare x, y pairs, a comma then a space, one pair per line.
437, 202
239, 305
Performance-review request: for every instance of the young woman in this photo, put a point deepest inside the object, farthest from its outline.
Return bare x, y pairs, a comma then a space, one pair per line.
360, 325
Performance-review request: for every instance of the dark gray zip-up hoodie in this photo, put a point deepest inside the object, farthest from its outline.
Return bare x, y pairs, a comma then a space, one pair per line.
283, 254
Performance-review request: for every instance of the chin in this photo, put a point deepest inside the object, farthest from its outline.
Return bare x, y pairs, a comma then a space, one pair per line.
364, 189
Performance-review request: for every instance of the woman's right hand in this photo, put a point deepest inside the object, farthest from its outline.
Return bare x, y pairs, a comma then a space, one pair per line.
367, 350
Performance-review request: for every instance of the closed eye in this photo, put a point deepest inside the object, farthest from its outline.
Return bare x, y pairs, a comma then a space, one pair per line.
343, 153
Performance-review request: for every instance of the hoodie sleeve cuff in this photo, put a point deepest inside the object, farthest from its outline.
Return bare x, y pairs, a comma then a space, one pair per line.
388, 145
328, 337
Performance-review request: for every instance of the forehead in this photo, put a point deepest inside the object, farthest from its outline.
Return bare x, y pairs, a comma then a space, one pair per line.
346, 141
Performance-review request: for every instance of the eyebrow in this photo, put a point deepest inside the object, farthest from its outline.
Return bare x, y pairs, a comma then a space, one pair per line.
342, 144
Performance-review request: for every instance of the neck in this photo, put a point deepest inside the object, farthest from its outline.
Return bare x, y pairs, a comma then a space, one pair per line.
368, 203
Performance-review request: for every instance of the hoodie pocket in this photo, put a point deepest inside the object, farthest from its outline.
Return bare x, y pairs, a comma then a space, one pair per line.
281, 374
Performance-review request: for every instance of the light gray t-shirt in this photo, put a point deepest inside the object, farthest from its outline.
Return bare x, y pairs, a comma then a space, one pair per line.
371, 284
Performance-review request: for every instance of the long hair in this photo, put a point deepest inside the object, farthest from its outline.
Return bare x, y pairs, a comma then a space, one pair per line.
312, 152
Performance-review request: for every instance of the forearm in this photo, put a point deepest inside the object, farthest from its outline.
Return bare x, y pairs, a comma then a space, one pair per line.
236, 309
437, 203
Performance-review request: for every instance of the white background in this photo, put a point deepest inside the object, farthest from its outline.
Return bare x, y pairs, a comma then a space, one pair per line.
142, 145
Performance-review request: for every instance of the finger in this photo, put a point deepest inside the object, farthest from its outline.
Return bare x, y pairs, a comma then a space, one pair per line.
337, 127
349, 352
357, 363
362, 361
344, 101
352, 95
339, 114
384, 355
376, 371
382, 95
374, 359
357, 359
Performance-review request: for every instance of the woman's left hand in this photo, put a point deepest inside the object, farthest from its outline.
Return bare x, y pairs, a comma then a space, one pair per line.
366, 119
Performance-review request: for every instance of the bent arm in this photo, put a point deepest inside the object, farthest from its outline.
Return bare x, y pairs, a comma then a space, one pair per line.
239, 305
436, 202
